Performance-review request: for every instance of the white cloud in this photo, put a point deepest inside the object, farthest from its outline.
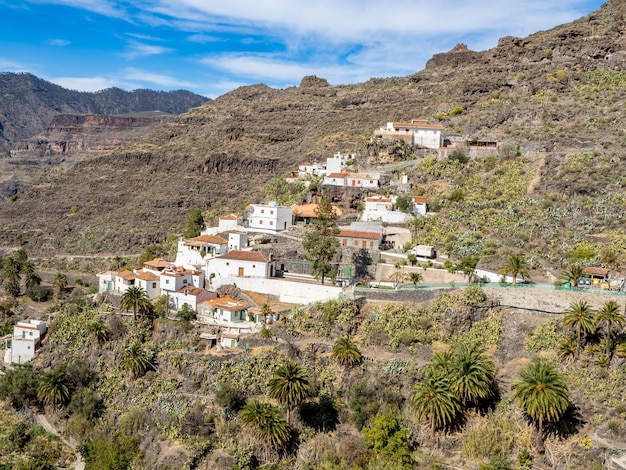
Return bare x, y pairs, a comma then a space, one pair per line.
84, 83
143, 37
165, 81
58, 42
138, 49
9, 65
103, 7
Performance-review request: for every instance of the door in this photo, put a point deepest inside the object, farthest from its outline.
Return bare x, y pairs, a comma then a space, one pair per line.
363, 244
240, 272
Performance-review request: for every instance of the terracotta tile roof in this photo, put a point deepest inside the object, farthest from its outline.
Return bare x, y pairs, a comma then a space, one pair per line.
191, 290
419, 199
596, 271
227, 303
158, 263
127, 275
378, 199
204, 239
230, 217
230, 335
359, 234
246, 256
147, 276
107, 273
418, 125
336, 175
308, 210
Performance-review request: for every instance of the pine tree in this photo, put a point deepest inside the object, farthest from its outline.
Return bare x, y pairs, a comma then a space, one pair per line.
320, 243
195, 223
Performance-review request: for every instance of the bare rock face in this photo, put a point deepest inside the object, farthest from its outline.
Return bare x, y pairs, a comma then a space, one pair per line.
313, 81
458, 55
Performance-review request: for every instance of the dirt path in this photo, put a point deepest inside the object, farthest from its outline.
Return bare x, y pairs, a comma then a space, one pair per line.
79, 463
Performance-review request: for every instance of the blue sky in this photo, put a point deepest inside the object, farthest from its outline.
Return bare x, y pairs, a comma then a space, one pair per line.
213, 46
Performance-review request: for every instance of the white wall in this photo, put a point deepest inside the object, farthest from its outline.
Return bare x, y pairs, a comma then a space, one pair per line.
230, 268
430, 138
287, 291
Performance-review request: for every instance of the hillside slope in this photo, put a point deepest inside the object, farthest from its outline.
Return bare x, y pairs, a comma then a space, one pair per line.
549, 97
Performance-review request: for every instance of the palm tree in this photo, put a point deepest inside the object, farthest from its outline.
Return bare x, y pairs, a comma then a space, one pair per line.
346, 353
579, 317
60, 282
290, 386
136, 298
135, 360
433, 400
11, 269
266, 423
266, 310
54, 388
441, 362
517, 266
541, 392
415, 278
574, 274
472, 373
99, 331
609, 318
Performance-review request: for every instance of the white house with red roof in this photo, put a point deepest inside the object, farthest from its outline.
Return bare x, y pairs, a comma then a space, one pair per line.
194, 251
172, 280
417, 132
25, 342
238, 263
269, 218
223, 309
360, 239
353, 179
230, 222
148, 281
191, 296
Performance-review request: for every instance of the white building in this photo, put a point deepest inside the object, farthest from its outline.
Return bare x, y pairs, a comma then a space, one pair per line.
269, 218
21, 346
148, 281
416, 132
230, 222
338, 162
195, 251
191, 296
172, 280
309, 170
237, 240
352, 179
383, 209
241, 264
223, 309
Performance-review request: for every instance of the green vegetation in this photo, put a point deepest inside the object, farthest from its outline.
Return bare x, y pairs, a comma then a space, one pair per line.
195, 223
320, 243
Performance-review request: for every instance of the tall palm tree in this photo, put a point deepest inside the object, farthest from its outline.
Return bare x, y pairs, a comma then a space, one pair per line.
137, 299
54, 388
579, 317
290, 386
266, 311
135, 360
415, 278
11, 269
574, 274
609, 318
517, 265
433, 400
60, 282
346, 353
266, 423
541, 392
472, 373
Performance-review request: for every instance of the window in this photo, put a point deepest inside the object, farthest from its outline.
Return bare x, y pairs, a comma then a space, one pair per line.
260, 222
262, 211
271, 212
167, 281
271, 222
154, 285
254, 265
227, 264
184, 281
356, 243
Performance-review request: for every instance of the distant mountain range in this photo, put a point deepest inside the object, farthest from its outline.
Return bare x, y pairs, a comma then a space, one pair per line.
28, 104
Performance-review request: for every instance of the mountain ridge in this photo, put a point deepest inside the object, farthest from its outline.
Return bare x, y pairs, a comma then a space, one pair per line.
549, 96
